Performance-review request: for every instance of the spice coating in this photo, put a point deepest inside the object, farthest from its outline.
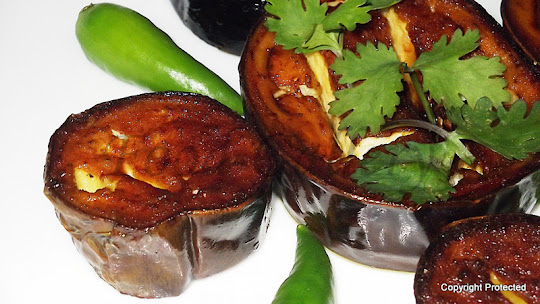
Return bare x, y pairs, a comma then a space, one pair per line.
159, 189
471, 252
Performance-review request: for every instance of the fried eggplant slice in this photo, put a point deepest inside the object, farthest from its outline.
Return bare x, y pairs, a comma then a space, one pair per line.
159, 189
522, 19
488, 259
286, 98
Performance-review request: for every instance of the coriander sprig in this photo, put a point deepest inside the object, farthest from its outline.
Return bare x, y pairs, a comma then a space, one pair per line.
513, 133
469, 90
305, 25
422, 170
368, 103
447, 79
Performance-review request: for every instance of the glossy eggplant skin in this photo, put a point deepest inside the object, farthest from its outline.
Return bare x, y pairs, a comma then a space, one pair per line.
224, 24
522, 20
350, 221
382, 235
472, 251
152, 257
160, 261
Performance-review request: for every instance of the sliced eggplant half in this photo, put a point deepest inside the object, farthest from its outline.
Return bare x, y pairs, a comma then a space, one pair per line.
159, 189
287, 96
488, 259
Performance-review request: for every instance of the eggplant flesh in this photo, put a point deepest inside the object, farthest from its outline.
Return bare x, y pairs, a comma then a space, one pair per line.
224, 24
314, 177
478, 253
174, 187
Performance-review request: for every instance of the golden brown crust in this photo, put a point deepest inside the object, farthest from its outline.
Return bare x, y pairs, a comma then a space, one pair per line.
167, 154
470, 252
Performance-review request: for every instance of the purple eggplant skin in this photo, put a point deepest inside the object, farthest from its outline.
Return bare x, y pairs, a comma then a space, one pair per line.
224, 24
159, 257
384, 235
162, 260
348, 220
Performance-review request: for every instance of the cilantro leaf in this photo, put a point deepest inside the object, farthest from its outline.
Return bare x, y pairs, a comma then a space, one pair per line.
304, 26
439, 155
376, 97
294, 25
448, 78
423, 182
511, 133
454, 145
378, 4
323, 40
348, 14
420, 170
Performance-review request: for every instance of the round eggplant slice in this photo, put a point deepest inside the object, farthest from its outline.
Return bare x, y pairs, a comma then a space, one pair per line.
224, 24
284, 96
159, 189
487, 259
522, 19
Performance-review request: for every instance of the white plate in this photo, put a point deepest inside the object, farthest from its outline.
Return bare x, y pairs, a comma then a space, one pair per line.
44, 77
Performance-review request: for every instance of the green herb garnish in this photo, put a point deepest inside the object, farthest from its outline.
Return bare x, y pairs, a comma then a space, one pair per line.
296, 24
422, 170
448, 79
376, 97
305, 26
512, 133
469, 88
348, 14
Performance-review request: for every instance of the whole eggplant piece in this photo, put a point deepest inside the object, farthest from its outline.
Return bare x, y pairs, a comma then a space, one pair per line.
224, 24
314, 178
159, 189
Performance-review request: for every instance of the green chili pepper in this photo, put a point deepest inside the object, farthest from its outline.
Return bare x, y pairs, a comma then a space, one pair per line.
310, 280
130, 47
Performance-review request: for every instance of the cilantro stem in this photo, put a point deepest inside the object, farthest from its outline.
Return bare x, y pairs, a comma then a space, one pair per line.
418, 124
423, 99
452, 139
420, 92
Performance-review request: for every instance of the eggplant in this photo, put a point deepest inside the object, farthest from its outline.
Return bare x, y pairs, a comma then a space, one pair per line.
224, 24
480, 255
159, 189
522, 19
314, 178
